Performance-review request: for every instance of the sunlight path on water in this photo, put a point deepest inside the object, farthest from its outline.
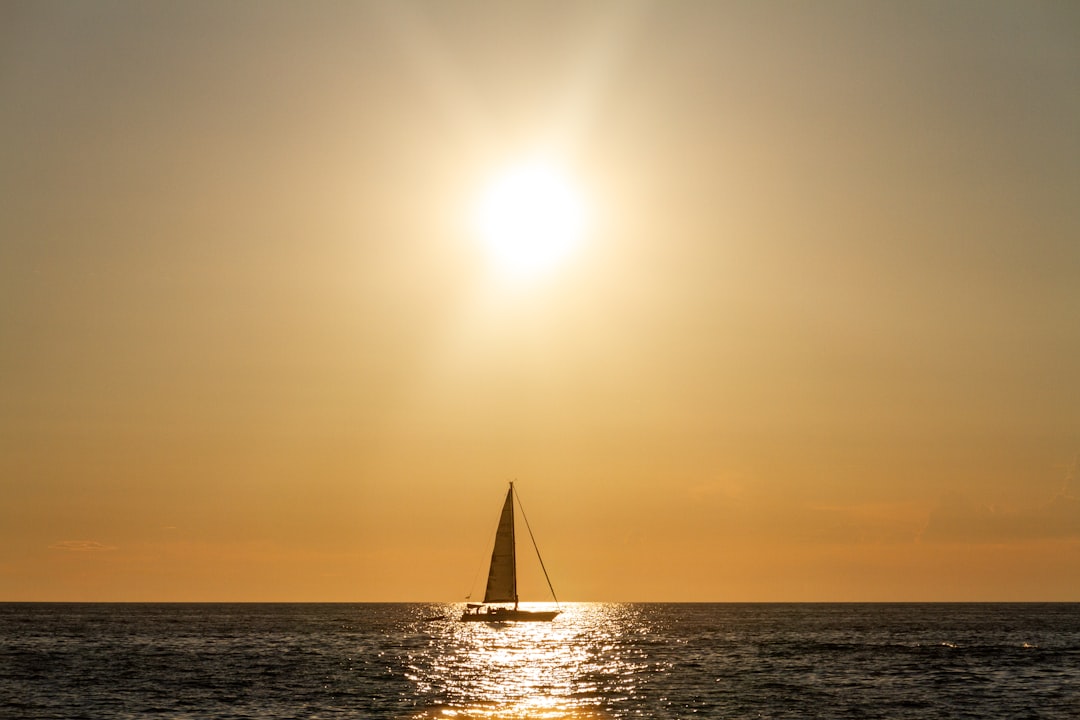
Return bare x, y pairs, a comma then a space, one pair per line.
564, 669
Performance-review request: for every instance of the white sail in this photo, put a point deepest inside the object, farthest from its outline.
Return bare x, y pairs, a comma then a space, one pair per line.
502, 577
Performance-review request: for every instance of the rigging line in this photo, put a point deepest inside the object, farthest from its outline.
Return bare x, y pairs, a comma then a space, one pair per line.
536, 547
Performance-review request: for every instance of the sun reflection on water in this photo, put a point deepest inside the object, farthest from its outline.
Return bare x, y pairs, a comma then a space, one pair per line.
568, 668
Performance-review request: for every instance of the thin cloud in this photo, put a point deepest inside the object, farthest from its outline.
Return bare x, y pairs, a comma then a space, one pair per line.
81, 546
958, 519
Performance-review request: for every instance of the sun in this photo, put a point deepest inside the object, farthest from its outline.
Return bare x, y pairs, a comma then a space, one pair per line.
530, 219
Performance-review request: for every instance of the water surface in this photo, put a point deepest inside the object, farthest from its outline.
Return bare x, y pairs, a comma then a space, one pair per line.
594, 661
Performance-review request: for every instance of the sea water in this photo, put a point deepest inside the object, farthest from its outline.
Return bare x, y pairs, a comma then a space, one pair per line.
595, 660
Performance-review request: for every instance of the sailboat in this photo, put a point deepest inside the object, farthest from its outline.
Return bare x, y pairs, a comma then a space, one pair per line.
502, 576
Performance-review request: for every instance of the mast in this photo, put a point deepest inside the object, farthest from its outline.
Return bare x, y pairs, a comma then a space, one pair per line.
513, 541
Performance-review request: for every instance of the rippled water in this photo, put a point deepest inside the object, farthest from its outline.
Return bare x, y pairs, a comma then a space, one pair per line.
595, 661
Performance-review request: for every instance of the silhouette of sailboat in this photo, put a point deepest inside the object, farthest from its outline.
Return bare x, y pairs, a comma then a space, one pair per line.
502, 575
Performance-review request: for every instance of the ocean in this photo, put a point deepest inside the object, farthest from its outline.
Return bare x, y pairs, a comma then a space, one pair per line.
596, 660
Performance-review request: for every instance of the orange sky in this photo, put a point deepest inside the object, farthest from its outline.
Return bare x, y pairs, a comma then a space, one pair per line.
821, 341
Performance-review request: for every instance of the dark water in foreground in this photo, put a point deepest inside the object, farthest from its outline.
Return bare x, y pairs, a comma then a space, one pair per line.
595, 661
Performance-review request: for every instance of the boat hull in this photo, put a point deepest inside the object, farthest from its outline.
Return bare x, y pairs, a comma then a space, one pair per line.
497, 615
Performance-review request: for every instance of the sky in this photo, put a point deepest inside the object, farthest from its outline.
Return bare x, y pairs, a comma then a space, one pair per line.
818, 338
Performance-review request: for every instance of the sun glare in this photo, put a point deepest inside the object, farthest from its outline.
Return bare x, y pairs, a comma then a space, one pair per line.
530, 219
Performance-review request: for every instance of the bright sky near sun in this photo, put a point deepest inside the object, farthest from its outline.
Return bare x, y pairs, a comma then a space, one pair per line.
755, 300
530, 218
